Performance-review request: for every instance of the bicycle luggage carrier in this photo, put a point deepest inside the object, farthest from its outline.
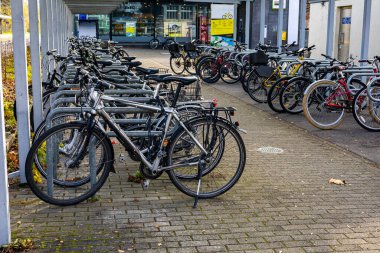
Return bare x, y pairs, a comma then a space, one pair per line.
190, 92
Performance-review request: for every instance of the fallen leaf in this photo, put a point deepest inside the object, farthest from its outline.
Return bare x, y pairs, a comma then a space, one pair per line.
337, 181
120, 251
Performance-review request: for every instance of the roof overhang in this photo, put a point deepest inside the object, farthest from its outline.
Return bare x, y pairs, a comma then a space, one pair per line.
93, 6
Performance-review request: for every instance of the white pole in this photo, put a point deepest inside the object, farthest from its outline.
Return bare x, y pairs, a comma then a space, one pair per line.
247, 22
280, 25
44, 35
330, 28
262, 22
21, 83
366, 29
36, 62
235, 21
5, 226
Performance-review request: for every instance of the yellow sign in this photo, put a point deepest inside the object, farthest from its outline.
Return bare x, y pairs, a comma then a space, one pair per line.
284, 35
222, 26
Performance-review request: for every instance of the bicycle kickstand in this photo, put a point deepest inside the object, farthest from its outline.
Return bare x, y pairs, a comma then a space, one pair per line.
201, 166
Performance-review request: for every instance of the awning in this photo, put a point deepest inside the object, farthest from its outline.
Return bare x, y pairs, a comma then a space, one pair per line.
93, 6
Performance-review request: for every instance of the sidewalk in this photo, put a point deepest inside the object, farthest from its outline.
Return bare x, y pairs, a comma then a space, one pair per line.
283, 202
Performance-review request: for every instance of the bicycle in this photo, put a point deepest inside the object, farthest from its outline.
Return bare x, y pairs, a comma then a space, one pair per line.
79, 155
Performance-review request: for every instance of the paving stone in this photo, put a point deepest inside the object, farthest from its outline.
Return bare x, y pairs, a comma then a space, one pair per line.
282, 203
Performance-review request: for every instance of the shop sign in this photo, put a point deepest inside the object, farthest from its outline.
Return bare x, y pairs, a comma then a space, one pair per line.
130, 28
222, 23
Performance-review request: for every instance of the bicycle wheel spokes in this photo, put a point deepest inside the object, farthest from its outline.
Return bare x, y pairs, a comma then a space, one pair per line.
325, 105
177, 64
367, 112
224, 164
66, 166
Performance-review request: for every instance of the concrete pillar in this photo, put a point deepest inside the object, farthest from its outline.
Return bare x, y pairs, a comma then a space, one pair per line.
302, 39
21, 83
280, 25
366, 29
5, 226
44, 36
330, 29
247, 21
36, 62
262, 22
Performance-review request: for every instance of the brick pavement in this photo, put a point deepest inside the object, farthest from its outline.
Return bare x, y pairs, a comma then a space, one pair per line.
283, 203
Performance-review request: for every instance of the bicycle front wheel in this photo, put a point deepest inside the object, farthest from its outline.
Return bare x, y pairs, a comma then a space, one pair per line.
67, 165
324, 104
224, 163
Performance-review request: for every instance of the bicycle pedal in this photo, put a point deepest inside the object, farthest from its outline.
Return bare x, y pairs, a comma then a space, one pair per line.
145, 184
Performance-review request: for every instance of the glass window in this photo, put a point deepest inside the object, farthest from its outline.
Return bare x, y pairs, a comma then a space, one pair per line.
187, 12
134, 19
172, 12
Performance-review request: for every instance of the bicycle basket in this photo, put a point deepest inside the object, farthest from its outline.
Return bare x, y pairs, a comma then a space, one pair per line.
265, 71
258, 58
188, 47
173, 48
190, 92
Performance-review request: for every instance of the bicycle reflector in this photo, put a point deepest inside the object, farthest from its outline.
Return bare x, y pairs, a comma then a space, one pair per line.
215, 102
237, 123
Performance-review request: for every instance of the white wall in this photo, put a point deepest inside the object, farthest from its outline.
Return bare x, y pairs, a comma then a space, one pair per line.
318, 27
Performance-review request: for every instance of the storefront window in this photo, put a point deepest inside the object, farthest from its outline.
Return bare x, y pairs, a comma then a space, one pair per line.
133, 19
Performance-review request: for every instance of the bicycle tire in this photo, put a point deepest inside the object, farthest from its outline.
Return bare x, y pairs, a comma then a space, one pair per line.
363, 111
176, 66
36, 181
307, 104
221, 126
299, 84
274, 94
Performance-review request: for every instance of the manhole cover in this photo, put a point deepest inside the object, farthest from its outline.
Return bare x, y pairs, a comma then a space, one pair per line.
270, 150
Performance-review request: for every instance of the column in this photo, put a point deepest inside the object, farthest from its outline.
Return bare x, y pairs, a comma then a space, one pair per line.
5, 226
44, 36
36, 62
366, 29
21, 83
247, 21
280, 25
330, 28
262, 22
302, 38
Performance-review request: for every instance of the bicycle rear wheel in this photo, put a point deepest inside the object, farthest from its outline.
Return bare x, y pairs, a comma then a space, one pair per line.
225, 162
66, 165
177, 64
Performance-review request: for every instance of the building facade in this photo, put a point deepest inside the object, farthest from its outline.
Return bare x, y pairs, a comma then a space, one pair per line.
348, 28
137, 22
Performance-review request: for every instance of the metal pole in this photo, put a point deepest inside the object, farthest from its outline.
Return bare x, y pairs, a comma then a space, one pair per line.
330, 28
36, 62
366, 28
262, 21
21, 83
247, 21
302, 40
235, 21
5, 226
49, 31
280, 25
44, 36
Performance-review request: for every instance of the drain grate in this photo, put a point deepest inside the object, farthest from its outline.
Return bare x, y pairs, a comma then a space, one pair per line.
270, 150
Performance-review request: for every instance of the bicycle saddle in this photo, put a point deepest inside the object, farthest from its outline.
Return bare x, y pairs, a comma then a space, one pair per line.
185, 80
128, 58
131, 64
158, 78
104, 63
146, 71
